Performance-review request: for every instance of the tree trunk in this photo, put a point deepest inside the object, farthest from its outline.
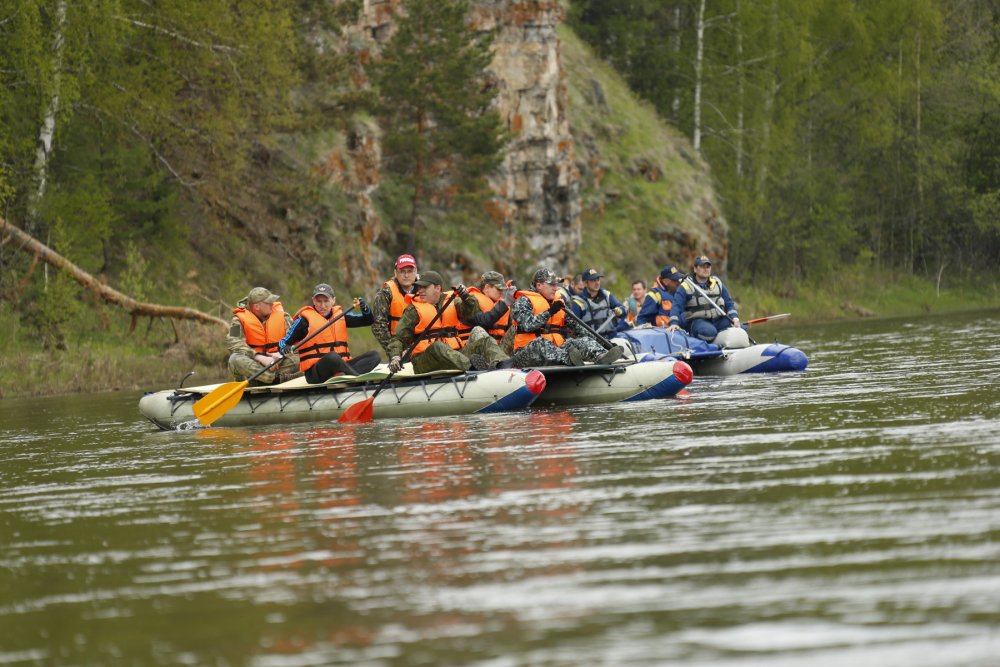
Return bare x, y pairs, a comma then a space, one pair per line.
675, 104
418, 185
48, 129
699, 60
740, 92
32, 245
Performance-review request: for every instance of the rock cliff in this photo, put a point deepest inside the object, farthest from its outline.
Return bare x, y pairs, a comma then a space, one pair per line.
562, 173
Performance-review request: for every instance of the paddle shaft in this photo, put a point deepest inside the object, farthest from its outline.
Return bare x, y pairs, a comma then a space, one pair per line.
299, 344
606, 323
717, 306
589, 329
409, 350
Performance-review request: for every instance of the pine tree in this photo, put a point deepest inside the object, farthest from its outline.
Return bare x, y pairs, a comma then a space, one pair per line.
435, 103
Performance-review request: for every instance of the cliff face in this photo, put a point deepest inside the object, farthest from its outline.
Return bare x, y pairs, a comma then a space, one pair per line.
553, 184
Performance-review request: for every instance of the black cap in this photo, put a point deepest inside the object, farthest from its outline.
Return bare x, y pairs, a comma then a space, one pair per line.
591, 274
702, 260
671, 273
323, 288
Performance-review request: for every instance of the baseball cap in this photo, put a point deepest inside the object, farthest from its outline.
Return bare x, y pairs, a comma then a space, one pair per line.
544, 275
702, 260
323, 288
260, 295
591, 274
429, 278
671, 273
494, 278
405, 260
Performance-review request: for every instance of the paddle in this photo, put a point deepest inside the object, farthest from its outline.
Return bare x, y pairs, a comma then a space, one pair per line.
224, 398
362, 410
759, 320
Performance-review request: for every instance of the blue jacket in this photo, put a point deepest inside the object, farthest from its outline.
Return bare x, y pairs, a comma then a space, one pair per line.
658, 301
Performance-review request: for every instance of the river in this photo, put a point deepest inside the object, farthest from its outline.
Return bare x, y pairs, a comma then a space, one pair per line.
848, 515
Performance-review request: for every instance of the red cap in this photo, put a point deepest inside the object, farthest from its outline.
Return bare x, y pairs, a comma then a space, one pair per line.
405, 260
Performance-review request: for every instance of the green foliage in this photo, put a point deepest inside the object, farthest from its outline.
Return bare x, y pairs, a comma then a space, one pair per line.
439, 130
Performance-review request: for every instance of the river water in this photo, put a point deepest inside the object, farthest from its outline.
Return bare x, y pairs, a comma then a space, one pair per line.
848, 515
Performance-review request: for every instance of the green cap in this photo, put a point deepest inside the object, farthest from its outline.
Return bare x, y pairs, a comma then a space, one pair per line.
494, 278
260, 295
429, 278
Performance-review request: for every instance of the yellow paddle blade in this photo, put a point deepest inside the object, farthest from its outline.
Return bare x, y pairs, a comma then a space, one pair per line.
219, 401
359, 412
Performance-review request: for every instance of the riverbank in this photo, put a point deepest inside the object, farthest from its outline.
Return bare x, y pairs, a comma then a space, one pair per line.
104, 357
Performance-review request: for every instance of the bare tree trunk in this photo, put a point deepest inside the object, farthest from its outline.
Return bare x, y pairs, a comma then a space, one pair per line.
675, 104
48, 129
698, 62
418, 186
919, 217
30, 244
740, 92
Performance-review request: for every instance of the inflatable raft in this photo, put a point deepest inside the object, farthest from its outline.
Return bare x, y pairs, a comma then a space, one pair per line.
731, 354
433, 395
621, 381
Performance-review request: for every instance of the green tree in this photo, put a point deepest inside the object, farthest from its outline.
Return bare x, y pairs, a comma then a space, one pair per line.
435, 104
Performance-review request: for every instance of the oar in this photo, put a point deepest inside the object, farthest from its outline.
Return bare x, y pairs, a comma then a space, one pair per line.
759, 320
224, 398
362, 411
589, 329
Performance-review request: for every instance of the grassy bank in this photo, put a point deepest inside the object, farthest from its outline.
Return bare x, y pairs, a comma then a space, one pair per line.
106, 358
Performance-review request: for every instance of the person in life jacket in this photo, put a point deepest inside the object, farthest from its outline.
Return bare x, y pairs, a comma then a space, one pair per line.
392, 298
436, 343
328, 353
545, 336
655, 310
696, 312
598, 307
634, 302
492, 297
258, 325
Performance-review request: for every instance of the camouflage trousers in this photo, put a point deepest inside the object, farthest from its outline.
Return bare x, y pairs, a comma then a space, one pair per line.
440, 357
543, 352
243, 368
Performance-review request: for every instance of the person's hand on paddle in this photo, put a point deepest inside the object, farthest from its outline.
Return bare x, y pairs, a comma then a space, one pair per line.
360, 304
263, 359
396, 364
508, 295
555, 307
736, 322
619, 311
461, 290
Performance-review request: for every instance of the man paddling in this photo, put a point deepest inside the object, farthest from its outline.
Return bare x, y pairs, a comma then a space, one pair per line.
698, 301
595, 305
328, 353
257, 327
544, 336
392, 299
488, 306
439, 347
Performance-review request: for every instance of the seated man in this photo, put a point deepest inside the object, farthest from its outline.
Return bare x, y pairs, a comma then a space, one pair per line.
328, 353
545, 337
634, 302
488, 306
392, 298
655, 308
598, 307
438, 346
258, 325
702, 305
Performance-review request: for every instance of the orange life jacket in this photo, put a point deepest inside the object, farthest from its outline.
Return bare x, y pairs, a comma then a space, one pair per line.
554, 330
443, 330
264, 336
334, 337
486, 305
398, 304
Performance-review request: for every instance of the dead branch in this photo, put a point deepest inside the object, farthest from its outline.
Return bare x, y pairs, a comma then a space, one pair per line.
30, 244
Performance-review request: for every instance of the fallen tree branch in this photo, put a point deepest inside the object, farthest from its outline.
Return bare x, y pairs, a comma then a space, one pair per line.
30, 244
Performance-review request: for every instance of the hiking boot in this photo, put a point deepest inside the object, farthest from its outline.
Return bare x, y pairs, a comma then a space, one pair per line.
506, 363
285, 377
574, 358
479, 362
611, 356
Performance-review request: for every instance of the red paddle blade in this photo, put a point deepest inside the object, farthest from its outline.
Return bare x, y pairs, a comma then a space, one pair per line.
359, 412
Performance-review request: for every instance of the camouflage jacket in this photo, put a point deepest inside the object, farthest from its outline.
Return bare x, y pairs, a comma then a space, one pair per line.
523, 313
380, 311
406, 328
